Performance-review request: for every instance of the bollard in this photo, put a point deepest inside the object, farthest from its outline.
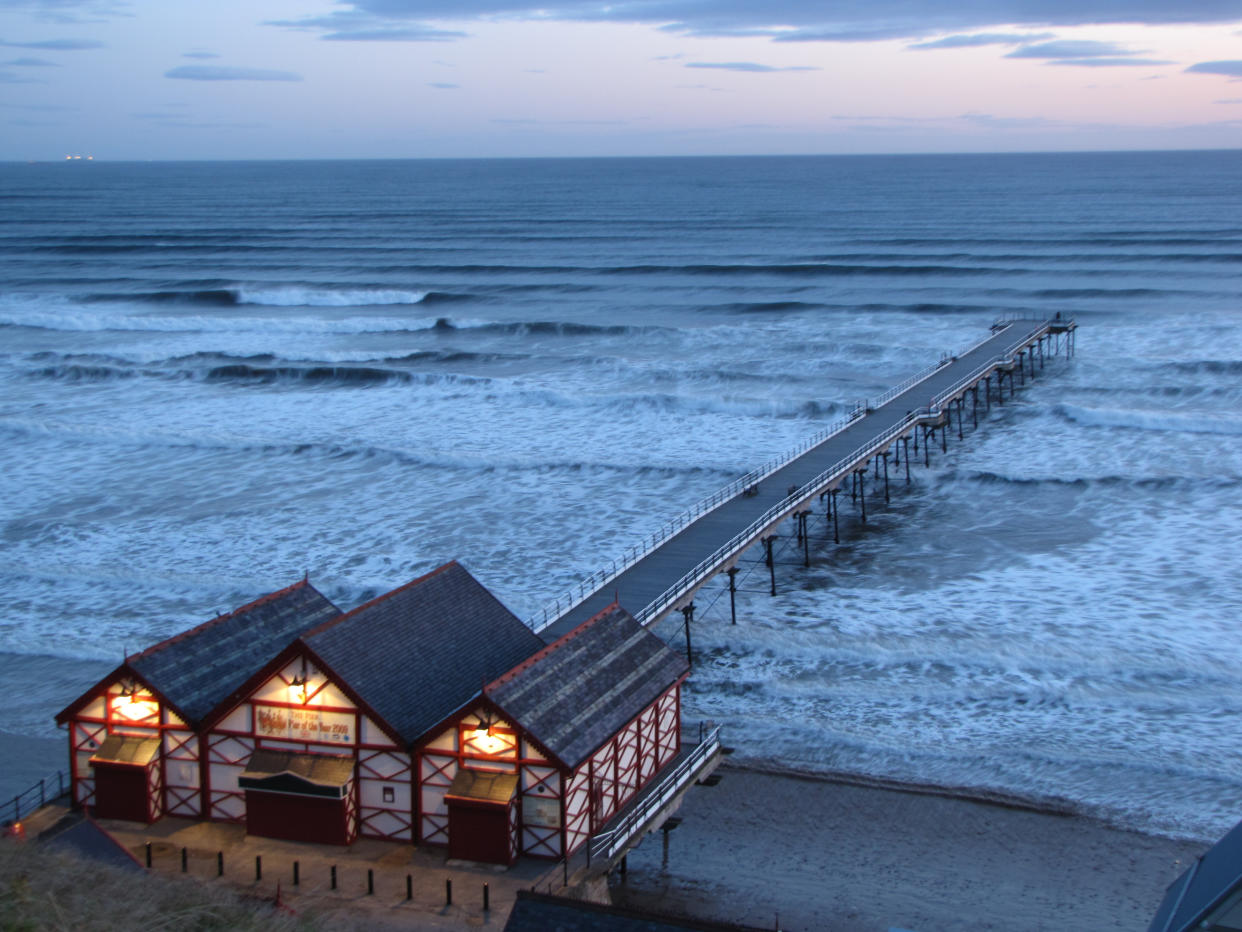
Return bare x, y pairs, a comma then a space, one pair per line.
148, 854
333, 887
258, 867
219, 863
486, 906
183, 860
409, 887
295, 873
448, 893
370, 881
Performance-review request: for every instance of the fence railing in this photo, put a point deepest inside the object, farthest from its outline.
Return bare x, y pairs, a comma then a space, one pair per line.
37, 796
555, 608
606, 844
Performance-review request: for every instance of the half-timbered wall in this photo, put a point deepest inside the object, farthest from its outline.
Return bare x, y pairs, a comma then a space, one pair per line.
128, 708
604, 783
301, 709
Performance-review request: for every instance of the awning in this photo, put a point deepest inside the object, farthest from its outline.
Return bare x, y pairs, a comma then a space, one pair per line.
126, 749
483, 787
301, 774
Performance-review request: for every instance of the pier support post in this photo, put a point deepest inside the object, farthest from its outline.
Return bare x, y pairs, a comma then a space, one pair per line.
906, 441
885, 456
836, 530
862, 493
974, 405
926, 449
767, 543
687, 612
732, 571
944, 436
987, 393
806, 538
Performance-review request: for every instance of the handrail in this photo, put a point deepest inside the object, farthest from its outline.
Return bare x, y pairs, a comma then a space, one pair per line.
606, 844
741, 541
24, 801
557, 607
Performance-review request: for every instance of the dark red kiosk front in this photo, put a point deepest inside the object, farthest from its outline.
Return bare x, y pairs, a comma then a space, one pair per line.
300, 797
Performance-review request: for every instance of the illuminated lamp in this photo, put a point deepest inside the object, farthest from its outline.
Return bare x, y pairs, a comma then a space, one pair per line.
300, 682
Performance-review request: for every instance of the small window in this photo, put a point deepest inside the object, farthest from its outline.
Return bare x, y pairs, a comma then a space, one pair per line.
390, 795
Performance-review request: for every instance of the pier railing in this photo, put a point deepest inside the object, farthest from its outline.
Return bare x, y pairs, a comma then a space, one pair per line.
591, 584
607, 844
711, 565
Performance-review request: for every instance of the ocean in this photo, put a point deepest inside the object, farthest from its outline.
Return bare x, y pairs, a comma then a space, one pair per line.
220, 376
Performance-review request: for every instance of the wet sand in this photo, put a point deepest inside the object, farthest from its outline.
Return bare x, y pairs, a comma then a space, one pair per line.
836, 857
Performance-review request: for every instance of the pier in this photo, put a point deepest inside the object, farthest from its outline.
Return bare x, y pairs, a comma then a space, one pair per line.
872, 445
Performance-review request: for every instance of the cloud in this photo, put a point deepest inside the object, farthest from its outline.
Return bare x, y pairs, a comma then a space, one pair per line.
1070, 48
1231, 68
810, 20
357, 26
223, 73
203, 55
58, 45
749, 66
980, 39
1110, 62
31, 63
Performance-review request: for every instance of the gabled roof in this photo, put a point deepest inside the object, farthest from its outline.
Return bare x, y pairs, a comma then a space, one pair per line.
419, 653
586, 686
1207, 885
198, 669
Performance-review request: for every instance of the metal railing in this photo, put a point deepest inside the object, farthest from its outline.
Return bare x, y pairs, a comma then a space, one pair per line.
711, 565
36, 797
607, 844
557, 607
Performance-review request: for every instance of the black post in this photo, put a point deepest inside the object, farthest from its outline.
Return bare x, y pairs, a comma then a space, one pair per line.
625, 864
906, 441
733, 593
806, 539
258, 867
687, 612
486, 904
767, 542
219, 863
370, 881
409, 887
862, 495
974, 405
297, 879
916, 439
886, 498
944, 435
836, 531
448, 892
148, 854
332, 880
961, 402
854, 486
184, 860
987, 393
926, 449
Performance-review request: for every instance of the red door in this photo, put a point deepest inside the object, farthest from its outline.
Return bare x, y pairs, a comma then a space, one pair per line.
121, 792
481, 831
315, 819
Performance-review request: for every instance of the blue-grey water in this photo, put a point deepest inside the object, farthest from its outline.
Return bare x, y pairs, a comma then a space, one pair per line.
217, 377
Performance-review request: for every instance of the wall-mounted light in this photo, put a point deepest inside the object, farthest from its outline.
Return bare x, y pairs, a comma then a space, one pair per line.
299, 684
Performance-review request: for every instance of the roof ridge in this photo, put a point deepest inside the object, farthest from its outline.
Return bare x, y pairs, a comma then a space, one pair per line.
248, 607
332, 622
547, 649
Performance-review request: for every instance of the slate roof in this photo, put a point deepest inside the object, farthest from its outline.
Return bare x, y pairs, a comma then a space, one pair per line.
419, 653
1203, 888
583, 688
198, 669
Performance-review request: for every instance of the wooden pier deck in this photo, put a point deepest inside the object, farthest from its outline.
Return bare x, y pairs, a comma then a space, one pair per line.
662, 573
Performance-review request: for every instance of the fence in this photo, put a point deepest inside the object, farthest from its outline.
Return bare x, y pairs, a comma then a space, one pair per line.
37, 796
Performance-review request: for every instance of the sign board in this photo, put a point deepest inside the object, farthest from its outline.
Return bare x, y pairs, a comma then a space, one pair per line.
304, 724
545, 813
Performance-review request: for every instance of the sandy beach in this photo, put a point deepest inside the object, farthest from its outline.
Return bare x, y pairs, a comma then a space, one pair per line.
847, 858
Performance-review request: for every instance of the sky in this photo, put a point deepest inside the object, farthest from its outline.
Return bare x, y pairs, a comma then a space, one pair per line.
280, 79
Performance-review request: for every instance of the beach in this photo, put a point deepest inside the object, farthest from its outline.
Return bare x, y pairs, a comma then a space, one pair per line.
836, 857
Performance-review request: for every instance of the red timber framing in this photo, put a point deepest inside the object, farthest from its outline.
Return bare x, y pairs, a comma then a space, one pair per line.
297, 704
558, 808
123, 705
